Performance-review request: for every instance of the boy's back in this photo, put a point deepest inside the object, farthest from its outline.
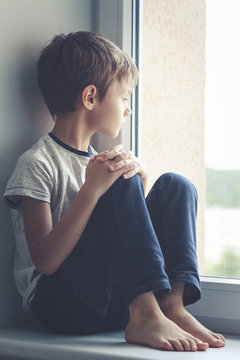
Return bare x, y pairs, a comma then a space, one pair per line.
51, 172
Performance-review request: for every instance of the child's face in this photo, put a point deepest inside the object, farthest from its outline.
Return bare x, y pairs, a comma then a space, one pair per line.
111, 112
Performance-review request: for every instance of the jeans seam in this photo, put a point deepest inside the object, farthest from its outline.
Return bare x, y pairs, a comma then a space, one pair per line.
165, 253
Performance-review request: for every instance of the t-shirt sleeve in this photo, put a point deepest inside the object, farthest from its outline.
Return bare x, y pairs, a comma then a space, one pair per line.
31, 177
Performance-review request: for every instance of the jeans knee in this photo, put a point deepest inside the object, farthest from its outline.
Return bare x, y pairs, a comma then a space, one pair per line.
178, 183
134, 181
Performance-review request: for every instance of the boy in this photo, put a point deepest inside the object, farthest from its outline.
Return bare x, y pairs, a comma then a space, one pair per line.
91, 254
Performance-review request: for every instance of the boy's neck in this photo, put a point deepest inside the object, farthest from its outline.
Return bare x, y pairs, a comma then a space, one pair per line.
72, 131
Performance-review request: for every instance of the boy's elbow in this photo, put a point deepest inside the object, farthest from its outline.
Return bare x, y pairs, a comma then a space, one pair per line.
45, 268
43, 261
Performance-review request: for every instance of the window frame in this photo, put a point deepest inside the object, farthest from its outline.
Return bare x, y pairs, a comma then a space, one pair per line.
218, 309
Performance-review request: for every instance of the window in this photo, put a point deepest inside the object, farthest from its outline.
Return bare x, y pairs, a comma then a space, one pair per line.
173, 133
222, 245
171, 112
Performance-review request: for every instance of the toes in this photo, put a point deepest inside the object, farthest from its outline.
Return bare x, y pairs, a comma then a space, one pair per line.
217, 343
186, 344
219, 337
177, 345
214, 341
201, 346
223, 339
193, 345
162, 345
167, 346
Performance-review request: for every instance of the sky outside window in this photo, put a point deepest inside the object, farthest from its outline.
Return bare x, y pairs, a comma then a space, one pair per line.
223, 84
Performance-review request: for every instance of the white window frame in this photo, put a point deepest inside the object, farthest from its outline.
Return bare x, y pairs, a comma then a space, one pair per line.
219, 307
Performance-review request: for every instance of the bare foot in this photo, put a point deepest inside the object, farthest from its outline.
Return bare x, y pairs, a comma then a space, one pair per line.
180, 316
161, 333
150, 327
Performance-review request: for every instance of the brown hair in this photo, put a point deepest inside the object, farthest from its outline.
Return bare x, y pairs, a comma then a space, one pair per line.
67, 64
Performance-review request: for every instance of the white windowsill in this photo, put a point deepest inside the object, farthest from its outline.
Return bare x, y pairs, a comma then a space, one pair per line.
220, 283
21, 343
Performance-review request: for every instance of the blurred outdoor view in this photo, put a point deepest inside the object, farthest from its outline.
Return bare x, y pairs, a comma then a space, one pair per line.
222, 147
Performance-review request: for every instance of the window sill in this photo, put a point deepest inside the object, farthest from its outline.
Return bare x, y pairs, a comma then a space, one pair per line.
28, 343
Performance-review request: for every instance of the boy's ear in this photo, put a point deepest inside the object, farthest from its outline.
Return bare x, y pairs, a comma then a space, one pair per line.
88, 97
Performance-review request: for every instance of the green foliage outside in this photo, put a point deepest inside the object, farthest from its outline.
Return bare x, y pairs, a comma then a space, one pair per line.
228, 266
223, 190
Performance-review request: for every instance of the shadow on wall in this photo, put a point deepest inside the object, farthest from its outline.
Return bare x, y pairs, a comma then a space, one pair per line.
26, 119
37, 115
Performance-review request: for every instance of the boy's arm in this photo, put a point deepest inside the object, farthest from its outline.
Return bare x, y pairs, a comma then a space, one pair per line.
49, 246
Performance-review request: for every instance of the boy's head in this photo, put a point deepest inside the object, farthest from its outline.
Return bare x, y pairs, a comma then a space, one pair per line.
70, 63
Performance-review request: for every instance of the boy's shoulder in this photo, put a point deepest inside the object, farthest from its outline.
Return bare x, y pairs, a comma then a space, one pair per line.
38, 161
48, 156
31, 176
37, 151
49, 149
44, 153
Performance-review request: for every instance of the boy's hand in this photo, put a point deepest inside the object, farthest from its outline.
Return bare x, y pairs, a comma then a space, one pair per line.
98, 176
125, 161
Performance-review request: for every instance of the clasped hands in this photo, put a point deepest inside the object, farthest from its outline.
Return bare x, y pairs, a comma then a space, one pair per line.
124, 160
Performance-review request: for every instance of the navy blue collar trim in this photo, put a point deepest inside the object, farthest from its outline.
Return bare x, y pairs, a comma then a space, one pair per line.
69, 148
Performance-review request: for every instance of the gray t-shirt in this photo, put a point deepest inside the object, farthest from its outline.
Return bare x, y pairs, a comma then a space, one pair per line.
50, 171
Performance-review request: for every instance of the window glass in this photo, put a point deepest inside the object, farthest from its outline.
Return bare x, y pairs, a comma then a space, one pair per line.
222, 153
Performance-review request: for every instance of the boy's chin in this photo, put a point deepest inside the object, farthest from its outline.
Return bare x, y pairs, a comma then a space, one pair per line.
111, 135
114, 136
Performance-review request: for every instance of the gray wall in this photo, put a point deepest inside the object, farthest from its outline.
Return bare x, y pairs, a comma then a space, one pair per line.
24, 27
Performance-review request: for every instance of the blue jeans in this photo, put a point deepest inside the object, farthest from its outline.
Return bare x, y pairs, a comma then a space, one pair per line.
130, 246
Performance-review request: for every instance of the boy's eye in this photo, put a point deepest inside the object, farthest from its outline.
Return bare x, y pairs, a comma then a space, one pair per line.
125, 99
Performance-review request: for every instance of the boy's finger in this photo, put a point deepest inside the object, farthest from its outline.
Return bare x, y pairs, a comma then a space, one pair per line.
101, 154
118, 165
124, 164
131, 173
110, 155
93, 159
123, 156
